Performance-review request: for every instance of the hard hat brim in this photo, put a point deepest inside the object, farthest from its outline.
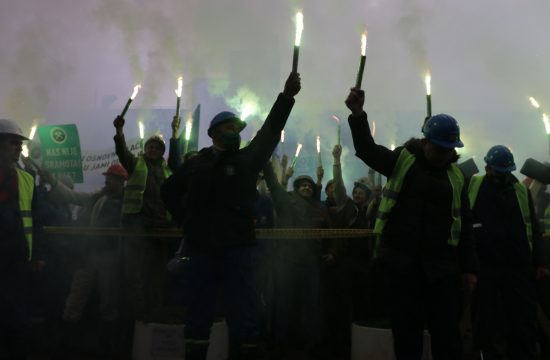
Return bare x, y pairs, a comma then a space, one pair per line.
500, 169
448, 144
242, 125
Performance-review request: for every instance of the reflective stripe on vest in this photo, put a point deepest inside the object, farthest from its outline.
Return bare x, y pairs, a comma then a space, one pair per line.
133, 192
523, 201
26, 188
393, 188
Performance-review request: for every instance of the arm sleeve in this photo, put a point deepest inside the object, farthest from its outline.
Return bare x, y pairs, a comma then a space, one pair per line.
276, 189
173, 193
264, 143
126, 158
66, 195
317, 192
539, 243
339, 187
174, 155
375, 156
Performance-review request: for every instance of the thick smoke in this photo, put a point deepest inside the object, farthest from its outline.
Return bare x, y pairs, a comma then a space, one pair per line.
486, 58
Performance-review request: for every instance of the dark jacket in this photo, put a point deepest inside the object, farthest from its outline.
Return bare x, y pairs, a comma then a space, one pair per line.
294, 211
418, 227
500, 231
104, 210
263, 217
213, 194
174, 155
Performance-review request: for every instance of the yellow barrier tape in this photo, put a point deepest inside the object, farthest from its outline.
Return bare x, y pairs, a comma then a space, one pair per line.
178, 233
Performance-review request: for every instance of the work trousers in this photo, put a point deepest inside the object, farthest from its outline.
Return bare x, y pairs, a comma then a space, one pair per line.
14, 319
505, 311
233, 271
418, 303
102, 269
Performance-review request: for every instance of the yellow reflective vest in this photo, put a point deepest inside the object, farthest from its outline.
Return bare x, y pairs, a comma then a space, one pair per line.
523, 201
133, 193
25, 183
393, 188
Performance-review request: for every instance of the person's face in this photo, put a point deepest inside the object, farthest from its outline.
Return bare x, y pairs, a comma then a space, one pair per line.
10, 148
114, 184
436, 155
495, 175
153, 150
305, 189
329, 190
227, 135
359, 196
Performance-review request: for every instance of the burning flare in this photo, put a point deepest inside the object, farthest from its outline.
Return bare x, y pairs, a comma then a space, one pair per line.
25, 150
141, 130
373, 129
180, 87
136, 90
546, 123
248, 108
33, 132
298, 149
428, 81
534, 102
282, 136
318, 144
364, 43
188, 127
299, 28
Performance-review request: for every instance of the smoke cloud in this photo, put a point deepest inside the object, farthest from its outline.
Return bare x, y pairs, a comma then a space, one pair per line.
60, 57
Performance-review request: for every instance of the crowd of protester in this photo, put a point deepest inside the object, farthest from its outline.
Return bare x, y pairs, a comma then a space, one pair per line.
440, 241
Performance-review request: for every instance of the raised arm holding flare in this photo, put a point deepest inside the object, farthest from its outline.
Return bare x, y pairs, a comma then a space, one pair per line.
425, 231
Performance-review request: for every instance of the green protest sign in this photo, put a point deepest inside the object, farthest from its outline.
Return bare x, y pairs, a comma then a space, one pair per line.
61, 150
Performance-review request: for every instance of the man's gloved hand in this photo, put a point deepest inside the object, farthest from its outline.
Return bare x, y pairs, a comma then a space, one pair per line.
293, 85
355, 101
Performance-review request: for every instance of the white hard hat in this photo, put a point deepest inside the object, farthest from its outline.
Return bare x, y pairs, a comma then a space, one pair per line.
11, 127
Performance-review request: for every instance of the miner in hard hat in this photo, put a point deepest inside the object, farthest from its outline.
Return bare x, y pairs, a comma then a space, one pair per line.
425, 243
511, 256
100, 268
145, 258
212, 195
17, 250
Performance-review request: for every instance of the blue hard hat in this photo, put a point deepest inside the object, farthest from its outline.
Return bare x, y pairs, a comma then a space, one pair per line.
222, 117
443, 130
500, 159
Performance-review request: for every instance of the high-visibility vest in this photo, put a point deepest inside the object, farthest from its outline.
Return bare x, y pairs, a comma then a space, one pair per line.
393, 188
523, 201
133, 193
25, 182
